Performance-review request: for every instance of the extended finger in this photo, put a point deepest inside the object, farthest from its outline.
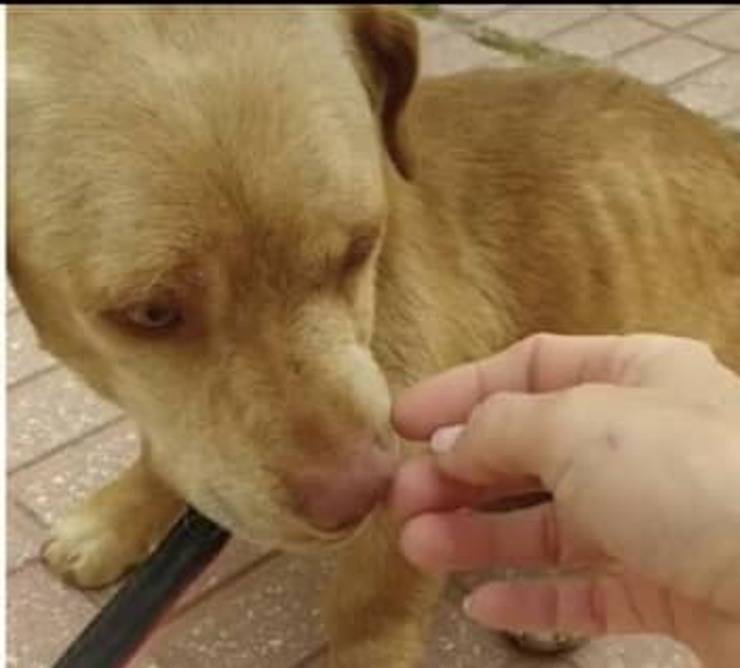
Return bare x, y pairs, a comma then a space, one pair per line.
592, 605
420, 487
539, 363
547, 363
466, 541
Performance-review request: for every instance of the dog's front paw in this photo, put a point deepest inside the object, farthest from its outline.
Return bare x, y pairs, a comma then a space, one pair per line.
95, 543
87, 550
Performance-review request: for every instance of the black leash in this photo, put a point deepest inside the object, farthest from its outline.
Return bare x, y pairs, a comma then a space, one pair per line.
113, 637
119, 630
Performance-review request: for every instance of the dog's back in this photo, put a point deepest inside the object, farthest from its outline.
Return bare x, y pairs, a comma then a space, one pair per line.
593, 202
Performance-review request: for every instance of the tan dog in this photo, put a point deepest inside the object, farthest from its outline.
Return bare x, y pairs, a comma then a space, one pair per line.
250, 230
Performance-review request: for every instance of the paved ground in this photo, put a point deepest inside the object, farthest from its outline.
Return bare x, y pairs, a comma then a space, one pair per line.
259, 609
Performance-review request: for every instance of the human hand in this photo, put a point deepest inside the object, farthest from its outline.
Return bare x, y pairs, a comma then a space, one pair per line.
637, 438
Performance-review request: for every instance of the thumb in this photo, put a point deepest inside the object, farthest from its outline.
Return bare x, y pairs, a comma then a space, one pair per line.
589, 604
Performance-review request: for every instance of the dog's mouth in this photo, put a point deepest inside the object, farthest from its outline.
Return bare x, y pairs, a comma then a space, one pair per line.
295, 535
317, 540
322, 509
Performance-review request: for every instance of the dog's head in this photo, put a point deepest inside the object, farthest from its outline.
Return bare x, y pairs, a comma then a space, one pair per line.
198, 201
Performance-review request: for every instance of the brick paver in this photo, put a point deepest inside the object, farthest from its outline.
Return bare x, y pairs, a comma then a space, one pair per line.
44, 616
50, 412
451, 53
714, 90
474, 12
24, 537
52, 485
24, 357
722, 29
255, 608
603, 37
270, 618
667, 59
674, 16
535, 22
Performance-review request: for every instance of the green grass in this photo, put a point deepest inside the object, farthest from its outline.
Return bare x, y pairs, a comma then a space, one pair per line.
424, 11
528, 50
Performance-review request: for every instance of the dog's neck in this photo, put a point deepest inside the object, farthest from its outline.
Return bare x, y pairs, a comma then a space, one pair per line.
431, 311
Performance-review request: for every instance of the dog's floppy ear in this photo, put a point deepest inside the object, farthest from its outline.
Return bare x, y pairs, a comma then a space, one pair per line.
387, 41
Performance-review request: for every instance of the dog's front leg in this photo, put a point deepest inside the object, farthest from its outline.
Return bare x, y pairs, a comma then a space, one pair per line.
379, 605
97, 541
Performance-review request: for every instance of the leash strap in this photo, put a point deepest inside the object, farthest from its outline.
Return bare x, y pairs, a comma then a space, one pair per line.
120, 629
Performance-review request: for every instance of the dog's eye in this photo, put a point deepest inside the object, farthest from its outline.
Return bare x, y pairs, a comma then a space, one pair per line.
359, 250
154, 315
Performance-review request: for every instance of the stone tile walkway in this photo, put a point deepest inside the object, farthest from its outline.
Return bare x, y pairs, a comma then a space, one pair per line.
260, 609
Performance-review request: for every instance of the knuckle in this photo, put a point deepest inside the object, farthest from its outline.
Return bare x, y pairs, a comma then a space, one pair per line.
649, 356
702, 350
541, 339
499, 411
575, 401
661, 346
535, 347
495, 406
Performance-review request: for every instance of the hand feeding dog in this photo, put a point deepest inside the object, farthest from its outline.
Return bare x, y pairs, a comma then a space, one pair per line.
250, 228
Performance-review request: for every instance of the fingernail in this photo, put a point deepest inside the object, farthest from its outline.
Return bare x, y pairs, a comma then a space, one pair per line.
444, 438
